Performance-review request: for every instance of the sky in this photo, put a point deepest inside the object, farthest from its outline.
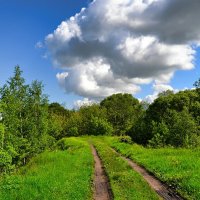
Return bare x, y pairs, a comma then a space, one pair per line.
84, 51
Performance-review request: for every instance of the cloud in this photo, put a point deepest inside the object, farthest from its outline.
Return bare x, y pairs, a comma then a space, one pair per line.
117, 45
39, 45
95, 79
158, 88
85, 102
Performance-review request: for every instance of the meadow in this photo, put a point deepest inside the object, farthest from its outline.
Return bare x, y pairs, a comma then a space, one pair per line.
67, 172
125, 183
53, 175
178, 167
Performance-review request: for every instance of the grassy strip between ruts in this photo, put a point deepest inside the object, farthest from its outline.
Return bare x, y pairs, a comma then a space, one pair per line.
53, 175
177, 167
125, 183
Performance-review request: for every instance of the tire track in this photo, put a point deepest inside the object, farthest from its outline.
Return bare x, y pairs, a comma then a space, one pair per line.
101, 183
164, 191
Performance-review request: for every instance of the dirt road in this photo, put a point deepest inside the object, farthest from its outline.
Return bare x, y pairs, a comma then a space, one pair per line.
101, 183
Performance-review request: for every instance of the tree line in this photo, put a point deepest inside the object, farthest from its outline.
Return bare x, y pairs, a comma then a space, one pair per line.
29, 124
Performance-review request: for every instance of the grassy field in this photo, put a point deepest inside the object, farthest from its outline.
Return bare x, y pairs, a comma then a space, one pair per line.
53, 175
67, 172
125, 183
178, 167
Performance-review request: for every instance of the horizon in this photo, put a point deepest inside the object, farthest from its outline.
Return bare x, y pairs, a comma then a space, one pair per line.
80, 59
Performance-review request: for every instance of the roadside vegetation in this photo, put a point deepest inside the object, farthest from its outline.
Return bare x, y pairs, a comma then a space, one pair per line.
53, 175
125, 183
179, 168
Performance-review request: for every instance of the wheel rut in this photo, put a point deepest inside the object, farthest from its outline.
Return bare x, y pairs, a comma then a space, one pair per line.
164, 191
102, 189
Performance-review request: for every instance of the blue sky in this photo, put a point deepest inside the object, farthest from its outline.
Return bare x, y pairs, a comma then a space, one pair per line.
24, 23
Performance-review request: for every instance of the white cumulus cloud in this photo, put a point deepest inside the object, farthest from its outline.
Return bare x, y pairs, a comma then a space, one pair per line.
117, 45
85, 102
158, 88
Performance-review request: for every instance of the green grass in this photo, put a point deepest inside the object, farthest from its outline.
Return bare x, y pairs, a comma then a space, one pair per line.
178, 167
125, 183
56, 175
67, 174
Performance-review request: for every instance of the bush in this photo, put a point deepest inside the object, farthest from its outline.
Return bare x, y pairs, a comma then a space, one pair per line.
2, 132
61, 144
72, 142
98, 126
177, 129
126, 139
73, 131
5, 161
160, 133
183, 129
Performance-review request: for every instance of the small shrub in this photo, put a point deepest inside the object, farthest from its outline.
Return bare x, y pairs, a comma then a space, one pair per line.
61, 144
73, 131
71, 142
100, 126
5, 161
161, 135
125, 139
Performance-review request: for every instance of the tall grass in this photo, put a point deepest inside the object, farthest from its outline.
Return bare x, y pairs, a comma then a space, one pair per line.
180, 168
60, 175
125, 183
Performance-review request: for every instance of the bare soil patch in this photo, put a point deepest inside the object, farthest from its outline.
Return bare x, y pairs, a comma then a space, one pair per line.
101, 182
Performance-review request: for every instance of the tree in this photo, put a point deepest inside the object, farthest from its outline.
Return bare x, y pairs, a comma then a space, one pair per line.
172, 119
36, 118
94, 120
140, 132
122, 111
165, 93
25, 118
183, 129
197, 84
58, 109
100, 126
58, 118
2, 129
13, 98
74, 125
161, 135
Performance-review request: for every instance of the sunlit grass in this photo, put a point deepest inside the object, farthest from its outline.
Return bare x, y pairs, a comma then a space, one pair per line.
67, 175
178, 167
125, 183
56, 175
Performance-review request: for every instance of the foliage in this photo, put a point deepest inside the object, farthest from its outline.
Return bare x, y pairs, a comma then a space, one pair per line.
197, 85
58, 109
160, 135
24, 126
100, 126
94, 120
89, 120
56, 126
171, 120
122, 111
2, 136
125, 139
5, 161
74, 125
58, 119
183, 129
